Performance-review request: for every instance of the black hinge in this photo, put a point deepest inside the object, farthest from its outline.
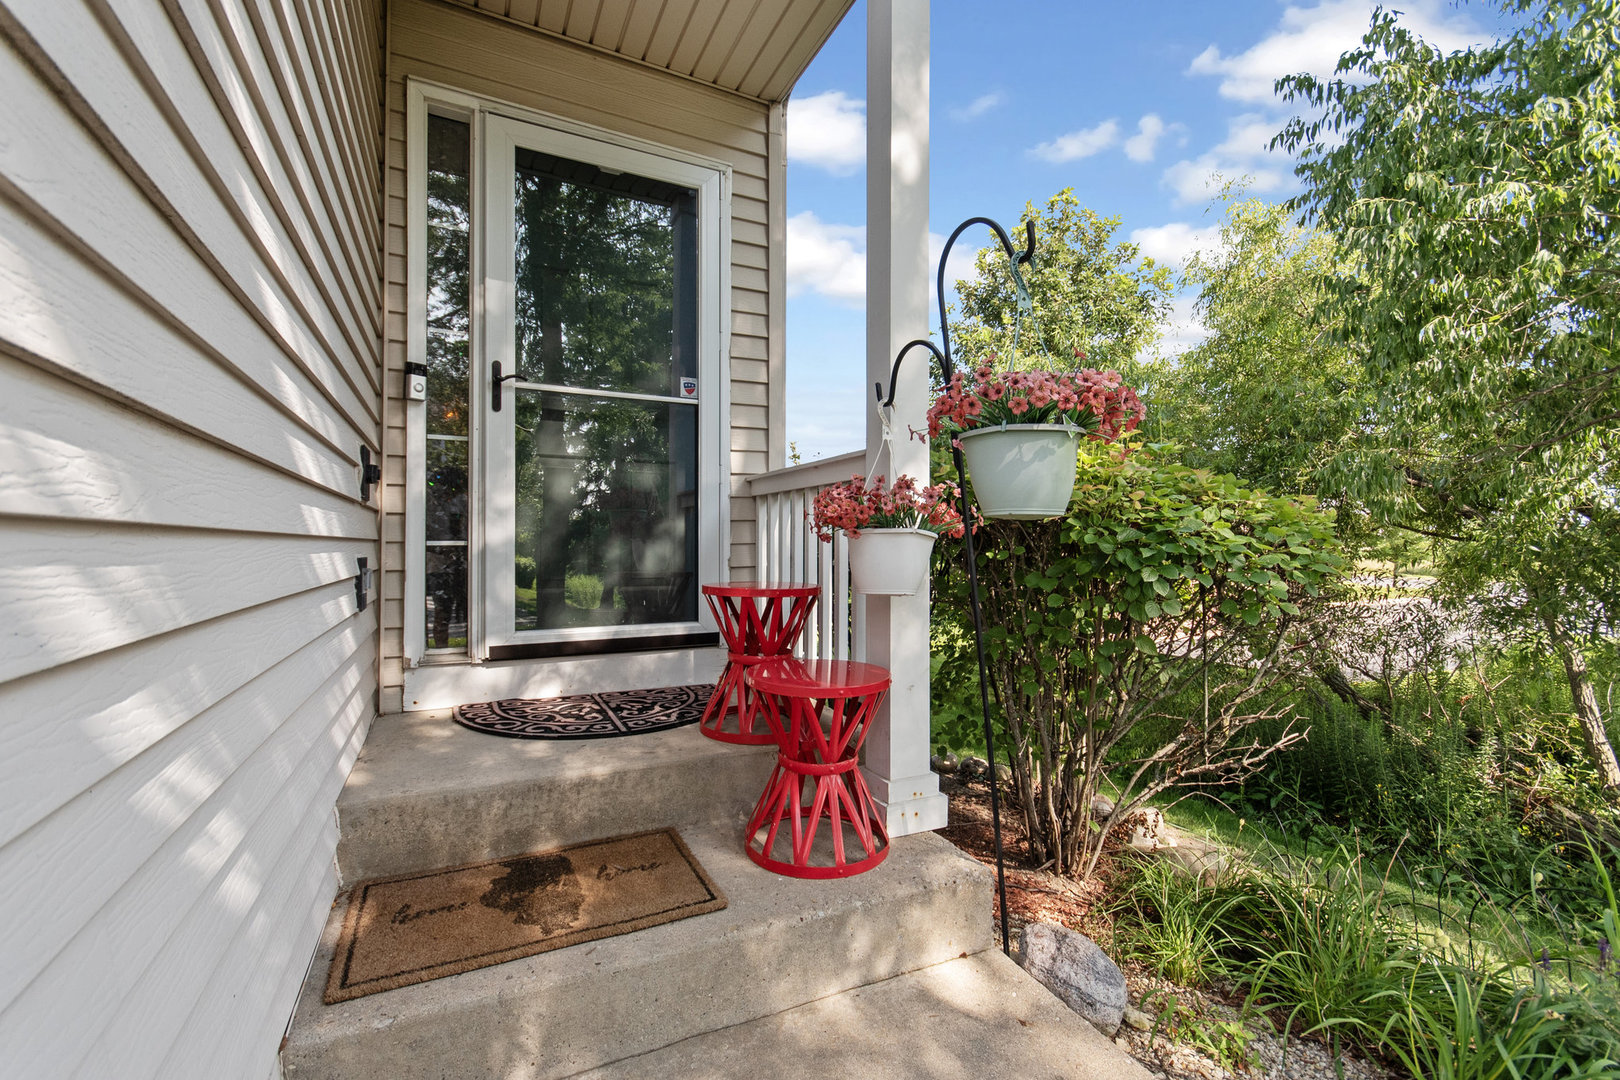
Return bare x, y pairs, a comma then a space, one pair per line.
362, 585
369, 474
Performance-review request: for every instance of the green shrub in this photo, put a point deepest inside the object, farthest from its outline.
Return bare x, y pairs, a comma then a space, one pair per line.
583, 591
523, 572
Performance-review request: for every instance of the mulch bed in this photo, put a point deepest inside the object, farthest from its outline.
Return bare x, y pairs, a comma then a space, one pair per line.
1034, 894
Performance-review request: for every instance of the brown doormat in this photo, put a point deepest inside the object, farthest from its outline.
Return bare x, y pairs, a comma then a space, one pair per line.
416, 927
588, 716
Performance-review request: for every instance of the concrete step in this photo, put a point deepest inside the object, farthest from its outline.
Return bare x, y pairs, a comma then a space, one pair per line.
427, 792
977, 1017
779, 944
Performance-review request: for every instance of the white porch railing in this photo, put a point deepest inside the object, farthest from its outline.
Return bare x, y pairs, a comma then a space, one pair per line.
788, 550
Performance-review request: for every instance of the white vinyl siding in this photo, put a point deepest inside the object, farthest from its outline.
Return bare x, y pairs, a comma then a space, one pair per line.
495, 60
190, 363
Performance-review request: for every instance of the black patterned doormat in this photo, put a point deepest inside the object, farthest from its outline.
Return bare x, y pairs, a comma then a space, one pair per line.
588, 716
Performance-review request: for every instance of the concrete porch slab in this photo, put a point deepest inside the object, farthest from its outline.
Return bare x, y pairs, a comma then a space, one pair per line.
780, 943
427, 792
977, 1017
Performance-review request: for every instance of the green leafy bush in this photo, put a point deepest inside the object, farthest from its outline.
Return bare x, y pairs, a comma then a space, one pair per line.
583, 591
1159, 582
523, 572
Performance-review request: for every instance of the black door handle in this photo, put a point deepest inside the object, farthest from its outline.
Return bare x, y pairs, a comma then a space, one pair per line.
495, 380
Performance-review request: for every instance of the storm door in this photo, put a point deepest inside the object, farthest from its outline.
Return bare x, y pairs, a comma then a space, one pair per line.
600, 469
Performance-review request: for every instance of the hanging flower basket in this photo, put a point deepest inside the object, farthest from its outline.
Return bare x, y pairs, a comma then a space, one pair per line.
1022, 471
890, 562
1020, 432
891, 530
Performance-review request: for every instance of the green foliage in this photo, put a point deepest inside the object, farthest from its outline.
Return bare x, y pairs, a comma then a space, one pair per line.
1267, 368
523, 572
1327, 947
583, 591
1160, 578
1475, 196
1089, 294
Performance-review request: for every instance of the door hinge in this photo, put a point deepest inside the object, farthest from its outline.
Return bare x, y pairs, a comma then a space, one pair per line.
370, 474
362, 584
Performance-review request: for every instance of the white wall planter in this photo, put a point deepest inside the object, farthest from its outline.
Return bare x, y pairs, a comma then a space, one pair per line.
1022, 471
890, 562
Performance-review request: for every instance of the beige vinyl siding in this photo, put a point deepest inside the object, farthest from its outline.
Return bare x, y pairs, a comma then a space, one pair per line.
500, 61
190, 363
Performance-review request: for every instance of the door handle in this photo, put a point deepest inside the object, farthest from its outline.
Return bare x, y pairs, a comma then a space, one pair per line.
495, 380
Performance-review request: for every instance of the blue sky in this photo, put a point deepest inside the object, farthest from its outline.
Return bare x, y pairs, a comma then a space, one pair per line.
1135, 106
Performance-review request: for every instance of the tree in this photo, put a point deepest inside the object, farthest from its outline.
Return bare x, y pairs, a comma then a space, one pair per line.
1090, 294
1268, 395
1476, 196
1140, 636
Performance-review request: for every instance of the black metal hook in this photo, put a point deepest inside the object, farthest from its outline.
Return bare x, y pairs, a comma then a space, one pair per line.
943, 355
1017, 258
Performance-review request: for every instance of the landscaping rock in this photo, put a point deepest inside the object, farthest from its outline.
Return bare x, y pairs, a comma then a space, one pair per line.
1101, 807
1071, 965
1136, 1018
1148, 830
973, 768
945, 763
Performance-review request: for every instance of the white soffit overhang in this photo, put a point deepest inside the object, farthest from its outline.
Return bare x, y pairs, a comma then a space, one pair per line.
757, 48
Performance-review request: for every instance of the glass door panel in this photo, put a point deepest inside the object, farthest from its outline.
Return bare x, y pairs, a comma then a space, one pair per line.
593, 523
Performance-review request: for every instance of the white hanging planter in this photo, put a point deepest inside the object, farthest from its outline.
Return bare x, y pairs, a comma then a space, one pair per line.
890, 562
1022, 471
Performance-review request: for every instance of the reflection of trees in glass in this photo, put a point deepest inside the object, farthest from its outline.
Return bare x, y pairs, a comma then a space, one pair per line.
448, 311
605, 299
449, 221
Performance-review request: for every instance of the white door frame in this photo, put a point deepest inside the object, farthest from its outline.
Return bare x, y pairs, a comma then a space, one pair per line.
509, 125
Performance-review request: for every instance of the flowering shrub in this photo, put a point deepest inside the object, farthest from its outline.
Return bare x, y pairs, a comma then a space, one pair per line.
852, 506
1098, 402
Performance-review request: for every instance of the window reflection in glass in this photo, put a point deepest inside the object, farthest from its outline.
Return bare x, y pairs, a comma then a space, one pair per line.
606, 497
606, 278
449, 212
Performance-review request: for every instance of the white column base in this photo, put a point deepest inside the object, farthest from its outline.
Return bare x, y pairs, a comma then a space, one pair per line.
913, 804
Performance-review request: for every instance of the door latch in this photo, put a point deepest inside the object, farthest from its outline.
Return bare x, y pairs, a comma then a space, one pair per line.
370, 473
495, 380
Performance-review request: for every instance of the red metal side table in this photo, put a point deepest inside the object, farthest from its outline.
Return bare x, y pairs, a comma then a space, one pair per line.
819, 712
759, 623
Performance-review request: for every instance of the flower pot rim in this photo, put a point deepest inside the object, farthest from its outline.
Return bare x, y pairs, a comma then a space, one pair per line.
1063, 429
890, 530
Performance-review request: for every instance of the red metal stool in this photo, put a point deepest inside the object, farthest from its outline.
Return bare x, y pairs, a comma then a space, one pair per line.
759, 623
820, 712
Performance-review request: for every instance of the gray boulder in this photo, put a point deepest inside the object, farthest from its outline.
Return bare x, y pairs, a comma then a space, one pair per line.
1071, 965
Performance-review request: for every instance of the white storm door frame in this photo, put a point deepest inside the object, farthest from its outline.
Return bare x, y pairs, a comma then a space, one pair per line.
502, 136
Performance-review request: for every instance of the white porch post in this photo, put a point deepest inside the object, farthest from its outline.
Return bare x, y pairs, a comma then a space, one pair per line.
896, 628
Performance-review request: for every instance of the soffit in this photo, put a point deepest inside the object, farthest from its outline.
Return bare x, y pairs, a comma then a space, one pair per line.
757, 48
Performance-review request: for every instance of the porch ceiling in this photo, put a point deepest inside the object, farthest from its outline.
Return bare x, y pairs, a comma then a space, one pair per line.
753, 47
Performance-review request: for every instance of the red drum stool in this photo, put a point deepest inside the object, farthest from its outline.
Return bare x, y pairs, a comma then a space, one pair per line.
759, 623
819, 711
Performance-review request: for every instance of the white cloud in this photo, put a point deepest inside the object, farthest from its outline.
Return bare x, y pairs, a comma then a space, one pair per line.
1244, 154
1176, 242
1149, 130
1182, 328
1079, 144
978, 106
827, 130
1312, 39
826, 258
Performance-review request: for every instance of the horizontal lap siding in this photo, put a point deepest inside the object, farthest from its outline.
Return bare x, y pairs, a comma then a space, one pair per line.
502, 62
190, 362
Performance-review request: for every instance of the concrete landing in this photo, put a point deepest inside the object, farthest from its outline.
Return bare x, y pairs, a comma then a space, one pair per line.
779, 944
427, 792
974, 1018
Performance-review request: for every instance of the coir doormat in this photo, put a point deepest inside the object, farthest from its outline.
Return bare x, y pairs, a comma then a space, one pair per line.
415, 927
588, 716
